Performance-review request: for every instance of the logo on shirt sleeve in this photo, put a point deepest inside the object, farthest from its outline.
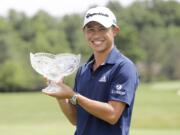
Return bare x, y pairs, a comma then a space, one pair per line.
118, 86
118, 89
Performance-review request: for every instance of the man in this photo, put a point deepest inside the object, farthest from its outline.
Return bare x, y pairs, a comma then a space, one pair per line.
102, 100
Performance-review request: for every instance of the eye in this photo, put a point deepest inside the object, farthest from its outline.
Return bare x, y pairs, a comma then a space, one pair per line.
89, 30
102, 29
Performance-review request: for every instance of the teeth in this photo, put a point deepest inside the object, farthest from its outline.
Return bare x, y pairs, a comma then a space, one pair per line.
97, 42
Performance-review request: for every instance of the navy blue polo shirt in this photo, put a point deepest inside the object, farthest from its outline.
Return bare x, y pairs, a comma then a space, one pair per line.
115, 80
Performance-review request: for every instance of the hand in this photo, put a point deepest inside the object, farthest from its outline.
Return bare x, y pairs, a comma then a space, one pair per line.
47, 80
65, 92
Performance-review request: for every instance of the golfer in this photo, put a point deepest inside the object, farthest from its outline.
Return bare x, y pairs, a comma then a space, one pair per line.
101, 102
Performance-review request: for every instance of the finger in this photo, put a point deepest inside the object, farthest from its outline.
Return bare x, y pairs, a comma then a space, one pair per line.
60, 80
47, 80
60, 84
50, 94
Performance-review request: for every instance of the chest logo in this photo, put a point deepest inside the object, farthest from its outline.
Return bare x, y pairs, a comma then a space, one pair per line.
102, 79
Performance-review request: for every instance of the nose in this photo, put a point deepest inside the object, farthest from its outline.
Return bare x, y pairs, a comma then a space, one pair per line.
96, 34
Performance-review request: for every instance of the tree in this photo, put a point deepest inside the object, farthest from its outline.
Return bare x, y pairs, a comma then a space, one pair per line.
128, 39
72, 26
171, 65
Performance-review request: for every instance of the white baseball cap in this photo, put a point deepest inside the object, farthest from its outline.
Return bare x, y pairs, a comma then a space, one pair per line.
102, 15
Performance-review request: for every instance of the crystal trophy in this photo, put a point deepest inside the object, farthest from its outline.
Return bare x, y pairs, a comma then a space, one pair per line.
54, 67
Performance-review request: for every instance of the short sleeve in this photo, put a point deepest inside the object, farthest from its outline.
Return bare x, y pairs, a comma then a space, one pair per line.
124, 83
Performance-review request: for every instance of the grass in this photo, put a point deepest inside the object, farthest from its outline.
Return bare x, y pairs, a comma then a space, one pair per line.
31, 113
156, 112
157, 107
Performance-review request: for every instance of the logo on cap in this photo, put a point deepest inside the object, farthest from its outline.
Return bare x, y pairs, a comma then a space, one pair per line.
101, 14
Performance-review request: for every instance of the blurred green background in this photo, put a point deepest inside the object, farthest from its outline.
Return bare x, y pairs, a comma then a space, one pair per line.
149, 35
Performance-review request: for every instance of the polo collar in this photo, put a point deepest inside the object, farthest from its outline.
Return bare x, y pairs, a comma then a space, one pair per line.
111, 58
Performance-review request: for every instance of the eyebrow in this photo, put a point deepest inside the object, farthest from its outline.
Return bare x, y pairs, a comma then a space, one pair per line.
91, 26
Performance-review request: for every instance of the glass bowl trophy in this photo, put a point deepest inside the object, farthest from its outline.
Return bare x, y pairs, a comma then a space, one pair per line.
54, 67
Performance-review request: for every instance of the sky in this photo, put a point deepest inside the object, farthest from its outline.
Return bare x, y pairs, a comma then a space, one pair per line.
53, 7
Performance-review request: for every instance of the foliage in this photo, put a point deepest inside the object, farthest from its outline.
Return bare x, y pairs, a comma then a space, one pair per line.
149, 35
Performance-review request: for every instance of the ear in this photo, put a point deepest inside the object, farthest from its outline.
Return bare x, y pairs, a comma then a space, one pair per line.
116, 29
82, 29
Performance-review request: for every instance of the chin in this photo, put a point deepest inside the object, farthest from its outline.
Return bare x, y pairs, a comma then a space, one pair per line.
100, 50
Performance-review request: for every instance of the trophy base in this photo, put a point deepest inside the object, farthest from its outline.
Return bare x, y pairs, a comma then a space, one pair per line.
51, 88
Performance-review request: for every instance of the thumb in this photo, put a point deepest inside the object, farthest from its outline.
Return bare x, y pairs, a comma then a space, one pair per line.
61, 80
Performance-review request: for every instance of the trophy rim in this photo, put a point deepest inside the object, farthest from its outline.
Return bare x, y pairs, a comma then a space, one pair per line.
68, 54
41, 54
54, 58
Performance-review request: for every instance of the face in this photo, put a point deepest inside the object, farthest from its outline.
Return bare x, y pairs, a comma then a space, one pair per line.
100, 39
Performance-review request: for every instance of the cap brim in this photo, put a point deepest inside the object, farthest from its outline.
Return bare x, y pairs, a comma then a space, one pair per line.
103, 21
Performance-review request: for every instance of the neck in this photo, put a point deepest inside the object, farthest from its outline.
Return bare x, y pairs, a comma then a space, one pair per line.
100, 57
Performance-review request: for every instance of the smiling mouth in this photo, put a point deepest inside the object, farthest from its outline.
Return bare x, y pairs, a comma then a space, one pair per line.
99, 42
